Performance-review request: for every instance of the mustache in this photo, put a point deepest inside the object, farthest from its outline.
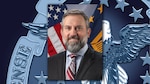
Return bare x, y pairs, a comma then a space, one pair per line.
74, 37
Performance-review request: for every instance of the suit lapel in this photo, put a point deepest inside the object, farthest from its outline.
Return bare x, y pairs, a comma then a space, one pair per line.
61, 66
85, 64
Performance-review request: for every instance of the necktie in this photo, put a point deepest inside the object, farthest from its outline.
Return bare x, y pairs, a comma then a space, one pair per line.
71, 69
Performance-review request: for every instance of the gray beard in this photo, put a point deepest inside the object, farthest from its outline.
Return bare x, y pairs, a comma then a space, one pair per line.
75, 47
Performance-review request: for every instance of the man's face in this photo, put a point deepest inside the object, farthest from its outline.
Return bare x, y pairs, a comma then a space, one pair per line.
74, 32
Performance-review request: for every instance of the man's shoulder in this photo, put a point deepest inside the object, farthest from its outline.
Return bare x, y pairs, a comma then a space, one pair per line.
59, 55
95, 53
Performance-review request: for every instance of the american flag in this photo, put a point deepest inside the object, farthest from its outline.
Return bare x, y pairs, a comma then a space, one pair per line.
55, 44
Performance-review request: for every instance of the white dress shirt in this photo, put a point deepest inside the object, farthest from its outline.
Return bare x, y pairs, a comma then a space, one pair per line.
80, 55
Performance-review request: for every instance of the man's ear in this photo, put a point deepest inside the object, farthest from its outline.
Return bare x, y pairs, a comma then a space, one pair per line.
89, 32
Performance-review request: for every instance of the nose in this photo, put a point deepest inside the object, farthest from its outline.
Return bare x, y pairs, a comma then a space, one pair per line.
73, 31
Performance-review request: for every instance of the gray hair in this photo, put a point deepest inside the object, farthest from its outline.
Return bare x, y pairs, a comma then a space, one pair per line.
77, 12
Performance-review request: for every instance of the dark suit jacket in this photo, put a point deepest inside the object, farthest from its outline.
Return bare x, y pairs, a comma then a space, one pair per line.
90, 67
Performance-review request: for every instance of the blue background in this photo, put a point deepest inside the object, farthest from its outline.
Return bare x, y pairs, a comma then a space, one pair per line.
12, 14
118, 20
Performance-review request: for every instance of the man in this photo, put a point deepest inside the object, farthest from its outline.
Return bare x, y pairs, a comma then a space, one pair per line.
78, 62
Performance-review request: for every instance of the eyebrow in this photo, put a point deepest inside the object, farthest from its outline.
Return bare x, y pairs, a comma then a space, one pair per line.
75, 26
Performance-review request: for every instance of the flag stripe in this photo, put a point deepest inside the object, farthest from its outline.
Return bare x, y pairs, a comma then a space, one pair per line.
55, 13
58, 29
51, 49
55, 40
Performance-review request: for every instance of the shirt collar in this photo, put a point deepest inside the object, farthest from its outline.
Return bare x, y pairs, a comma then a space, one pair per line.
81, 51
